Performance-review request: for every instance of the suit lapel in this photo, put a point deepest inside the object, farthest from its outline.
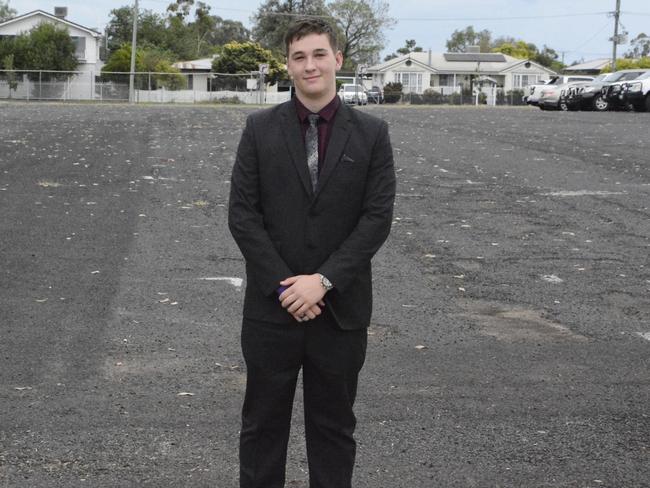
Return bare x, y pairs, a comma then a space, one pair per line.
338, 139
293, 140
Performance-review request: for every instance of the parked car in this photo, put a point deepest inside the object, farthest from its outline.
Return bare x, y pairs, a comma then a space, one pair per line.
375, 95
353, 94
592, 96
554, 97
637, 93
582, 97
614, 93
534, 91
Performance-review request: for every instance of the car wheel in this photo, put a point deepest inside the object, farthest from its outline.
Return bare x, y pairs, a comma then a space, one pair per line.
647, 102
600, 104
563, 106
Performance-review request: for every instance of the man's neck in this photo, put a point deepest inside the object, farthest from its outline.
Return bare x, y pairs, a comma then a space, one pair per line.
315, 105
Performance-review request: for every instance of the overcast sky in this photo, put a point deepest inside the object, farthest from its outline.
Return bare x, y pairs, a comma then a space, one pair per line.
580, 28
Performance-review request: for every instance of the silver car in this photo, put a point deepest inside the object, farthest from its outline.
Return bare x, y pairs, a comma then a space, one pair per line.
554, 97
353, 94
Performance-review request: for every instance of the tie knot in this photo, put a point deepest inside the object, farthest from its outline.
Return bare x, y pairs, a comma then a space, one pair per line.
313, 119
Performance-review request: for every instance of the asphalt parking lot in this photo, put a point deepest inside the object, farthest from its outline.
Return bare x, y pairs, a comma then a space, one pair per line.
510, 343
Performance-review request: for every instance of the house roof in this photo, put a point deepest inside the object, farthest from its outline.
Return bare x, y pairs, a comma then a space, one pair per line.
203, 64
596, 64
54, 18
486, 63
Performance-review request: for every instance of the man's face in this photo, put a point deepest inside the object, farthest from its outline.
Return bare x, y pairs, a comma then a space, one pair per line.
313, 64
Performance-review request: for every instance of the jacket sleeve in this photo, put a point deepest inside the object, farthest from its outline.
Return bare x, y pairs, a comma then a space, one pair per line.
355, 253
246, 218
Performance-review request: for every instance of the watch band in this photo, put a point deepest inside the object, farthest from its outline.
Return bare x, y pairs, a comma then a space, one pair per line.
327, 284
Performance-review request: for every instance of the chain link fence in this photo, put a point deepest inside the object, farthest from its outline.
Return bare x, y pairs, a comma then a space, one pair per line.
149, 87
206, 87
491, 96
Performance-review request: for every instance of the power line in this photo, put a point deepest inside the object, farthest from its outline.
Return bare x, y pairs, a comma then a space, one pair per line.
520, 17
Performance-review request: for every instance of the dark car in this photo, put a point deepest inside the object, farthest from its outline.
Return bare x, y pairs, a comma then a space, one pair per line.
616, 93
592, 97
637, 93
375, 95
587, 97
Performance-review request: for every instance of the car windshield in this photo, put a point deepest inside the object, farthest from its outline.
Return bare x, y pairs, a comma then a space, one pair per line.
352, 88
624, 75
644, 76
633, 75
602, 77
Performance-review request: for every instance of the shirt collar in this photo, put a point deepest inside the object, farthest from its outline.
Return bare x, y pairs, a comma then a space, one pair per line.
327, 112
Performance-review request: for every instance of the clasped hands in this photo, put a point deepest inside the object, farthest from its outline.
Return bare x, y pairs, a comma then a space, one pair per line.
303, 298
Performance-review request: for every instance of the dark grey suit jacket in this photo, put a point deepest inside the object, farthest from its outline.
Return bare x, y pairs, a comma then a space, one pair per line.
283, 228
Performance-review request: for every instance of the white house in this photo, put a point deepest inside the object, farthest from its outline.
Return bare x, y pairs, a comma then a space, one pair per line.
86, 40
450, 72
198, 72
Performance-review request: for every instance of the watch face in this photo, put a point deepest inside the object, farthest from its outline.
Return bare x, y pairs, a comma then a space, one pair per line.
325, 282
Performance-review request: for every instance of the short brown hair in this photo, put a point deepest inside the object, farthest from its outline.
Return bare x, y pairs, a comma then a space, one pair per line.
309, 25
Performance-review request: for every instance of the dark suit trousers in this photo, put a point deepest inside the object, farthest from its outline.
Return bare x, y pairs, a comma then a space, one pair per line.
330, 359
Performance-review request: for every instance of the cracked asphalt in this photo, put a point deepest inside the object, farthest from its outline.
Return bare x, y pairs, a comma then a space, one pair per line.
511, 336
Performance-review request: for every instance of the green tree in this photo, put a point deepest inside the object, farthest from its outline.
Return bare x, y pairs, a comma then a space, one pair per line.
628, 63
526, 50
362, 24
460, 40
6, 12
120, 60
49, 48
188, 30
517, 49
147, 60
7, 63
244, 57
639, 47
273, 17
152, 29
227, 30
410, 46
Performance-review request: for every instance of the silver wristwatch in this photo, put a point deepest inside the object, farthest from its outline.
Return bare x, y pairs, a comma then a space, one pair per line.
327, 284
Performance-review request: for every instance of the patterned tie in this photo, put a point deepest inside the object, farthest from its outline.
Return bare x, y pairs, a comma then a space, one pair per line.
311, 144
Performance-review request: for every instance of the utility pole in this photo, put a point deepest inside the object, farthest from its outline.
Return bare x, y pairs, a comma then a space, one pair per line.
615, 39
133, 42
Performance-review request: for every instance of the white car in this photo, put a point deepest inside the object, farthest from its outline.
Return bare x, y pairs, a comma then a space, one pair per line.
534, 91
554, 97
353, 94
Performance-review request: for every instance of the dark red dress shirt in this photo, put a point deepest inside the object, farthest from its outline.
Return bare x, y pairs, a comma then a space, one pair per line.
325, 124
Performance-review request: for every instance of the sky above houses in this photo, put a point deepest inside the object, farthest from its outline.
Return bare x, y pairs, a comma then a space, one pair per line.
579, 29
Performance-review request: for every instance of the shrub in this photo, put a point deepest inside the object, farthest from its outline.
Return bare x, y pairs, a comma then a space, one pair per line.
430, 96
392, 92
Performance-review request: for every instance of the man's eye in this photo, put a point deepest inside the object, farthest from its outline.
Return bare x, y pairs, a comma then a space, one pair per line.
298, 58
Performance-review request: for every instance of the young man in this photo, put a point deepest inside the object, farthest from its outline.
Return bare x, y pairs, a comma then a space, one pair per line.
311, 202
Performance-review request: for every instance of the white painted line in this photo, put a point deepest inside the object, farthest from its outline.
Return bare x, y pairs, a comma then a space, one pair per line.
236, 282
644, 335
552, 279
582, 193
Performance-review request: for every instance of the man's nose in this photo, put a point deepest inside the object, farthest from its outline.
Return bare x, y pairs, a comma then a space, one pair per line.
310, 65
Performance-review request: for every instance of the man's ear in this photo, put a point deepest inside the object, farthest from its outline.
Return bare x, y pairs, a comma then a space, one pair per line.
339, 60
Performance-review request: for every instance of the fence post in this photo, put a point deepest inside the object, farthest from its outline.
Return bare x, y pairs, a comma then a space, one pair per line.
40, 85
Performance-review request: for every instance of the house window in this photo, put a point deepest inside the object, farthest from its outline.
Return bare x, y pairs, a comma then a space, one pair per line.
447, 80
190, 82
522, 81
411, 82
79, 47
